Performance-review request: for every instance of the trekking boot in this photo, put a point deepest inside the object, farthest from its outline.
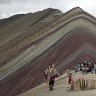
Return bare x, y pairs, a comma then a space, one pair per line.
51, 87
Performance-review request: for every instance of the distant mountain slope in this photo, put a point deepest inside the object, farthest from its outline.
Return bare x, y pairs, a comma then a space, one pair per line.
42, 38
33, 33
22, 37
20, 23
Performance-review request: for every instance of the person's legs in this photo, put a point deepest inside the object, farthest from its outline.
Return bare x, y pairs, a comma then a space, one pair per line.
51, 84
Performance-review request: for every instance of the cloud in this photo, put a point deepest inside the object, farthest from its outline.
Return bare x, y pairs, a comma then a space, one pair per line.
10, 7
6, 1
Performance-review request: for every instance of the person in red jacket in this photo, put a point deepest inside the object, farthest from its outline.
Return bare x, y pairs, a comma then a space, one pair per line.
70, 80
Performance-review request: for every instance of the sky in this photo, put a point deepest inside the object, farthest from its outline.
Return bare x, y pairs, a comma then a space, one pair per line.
12, 7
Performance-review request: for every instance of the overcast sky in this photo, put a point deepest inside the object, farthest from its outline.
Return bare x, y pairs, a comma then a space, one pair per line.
11, 7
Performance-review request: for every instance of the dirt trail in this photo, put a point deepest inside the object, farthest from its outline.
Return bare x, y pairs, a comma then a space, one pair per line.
59, 90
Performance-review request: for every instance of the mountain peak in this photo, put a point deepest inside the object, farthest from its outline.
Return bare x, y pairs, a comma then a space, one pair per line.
53, 9
78, 9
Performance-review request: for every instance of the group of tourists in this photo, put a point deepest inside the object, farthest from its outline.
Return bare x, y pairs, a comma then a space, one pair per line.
86, 67
50, 74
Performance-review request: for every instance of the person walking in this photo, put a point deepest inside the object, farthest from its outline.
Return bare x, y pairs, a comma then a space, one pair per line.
52, 74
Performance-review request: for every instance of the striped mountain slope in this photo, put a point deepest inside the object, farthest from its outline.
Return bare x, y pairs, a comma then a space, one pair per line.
64, 39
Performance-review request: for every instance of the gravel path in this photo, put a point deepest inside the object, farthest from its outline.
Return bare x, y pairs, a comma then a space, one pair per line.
59, 90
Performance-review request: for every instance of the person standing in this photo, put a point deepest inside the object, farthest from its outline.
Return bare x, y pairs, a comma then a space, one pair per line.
70, 80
